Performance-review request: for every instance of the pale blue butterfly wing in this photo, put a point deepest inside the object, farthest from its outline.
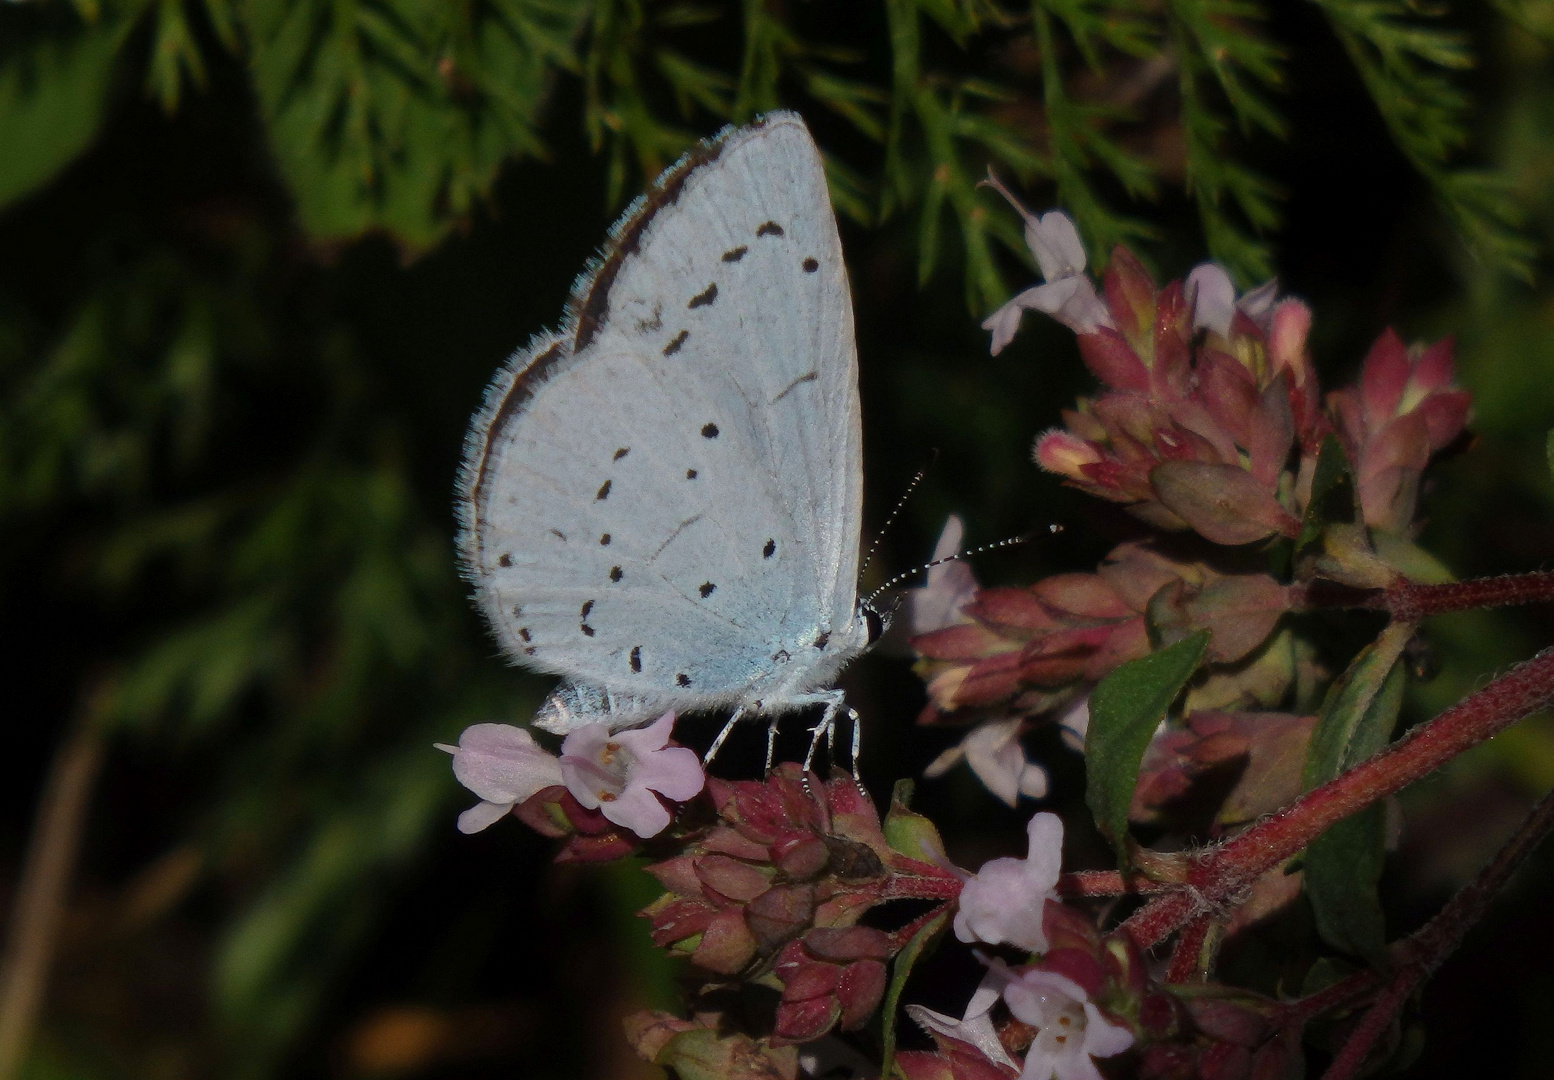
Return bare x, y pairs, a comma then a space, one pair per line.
662, 501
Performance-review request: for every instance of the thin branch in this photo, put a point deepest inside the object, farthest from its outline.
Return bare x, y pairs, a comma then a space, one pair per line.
1418, 955
1222, 872
1187, 958
43, 888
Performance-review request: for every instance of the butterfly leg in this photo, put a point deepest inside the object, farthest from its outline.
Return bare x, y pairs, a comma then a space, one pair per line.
717, 743
827, 726
852, 750
771, 743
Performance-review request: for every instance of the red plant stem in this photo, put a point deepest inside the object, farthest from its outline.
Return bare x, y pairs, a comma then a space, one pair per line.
1419, 954
1186, 958
915, 887
1086, 883
1221, 873
1410, 601
900, 938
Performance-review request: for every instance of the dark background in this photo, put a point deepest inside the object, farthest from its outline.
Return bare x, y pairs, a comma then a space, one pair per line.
249, 556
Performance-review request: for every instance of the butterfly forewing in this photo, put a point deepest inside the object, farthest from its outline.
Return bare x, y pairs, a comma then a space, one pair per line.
664, 499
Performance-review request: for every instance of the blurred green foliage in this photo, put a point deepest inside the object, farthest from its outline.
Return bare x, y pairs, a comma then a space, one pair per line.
224, 489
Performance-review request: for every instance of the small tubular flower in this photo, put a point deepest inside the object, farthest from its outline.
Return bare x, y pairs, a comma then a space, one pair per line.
993, 751
1004, 903
504, 766
623, 774
1067, 295
1071, 1030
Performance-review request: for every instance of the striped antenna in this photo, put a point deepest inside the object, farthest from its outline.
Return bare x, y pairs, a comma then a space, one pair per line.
868, 601
895, 513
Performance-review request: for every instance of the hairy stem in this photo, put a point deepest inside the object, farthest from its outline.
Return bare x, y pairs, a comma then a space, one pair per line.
1418, 955
1222, 872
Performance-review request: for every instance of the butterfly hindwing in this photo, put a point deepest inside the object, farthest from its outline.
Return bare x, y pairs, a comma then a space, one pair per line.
664, 495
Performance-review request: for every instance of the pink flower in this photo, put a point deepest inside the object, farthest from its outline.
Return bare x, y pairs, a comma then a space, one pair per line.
1068, 295
1004, 902
501, 764
622, 774
1071, 1031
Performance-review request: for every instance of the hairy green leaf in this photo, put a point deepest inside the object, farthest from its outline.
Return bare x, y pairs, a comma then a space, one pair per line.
1125, 709
900, 971
1344, 865
1332, 493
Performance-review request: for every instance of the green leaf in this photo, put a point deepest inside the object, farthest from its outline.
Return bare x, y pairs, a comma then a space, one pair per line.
900, 971
1125, 709
53, 94
1344, 865
911, 833
1332, 493
397, 114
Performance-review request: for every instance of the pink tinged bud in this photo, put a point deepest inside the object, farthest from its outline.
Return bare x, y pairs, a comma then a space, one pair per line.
859, 990
1383, 378
971, 641
502, 765
1088, 596
1228, 392
801, 858
805, 1021
1011, 607
726, 945
1172, 362
1067, 455
1445, 413
677, 875
1222, 503
780, 914
1130, 293
1002, 903
989, 682
1112, 360
730, 879
1433, 371
1287, 336
1273, 433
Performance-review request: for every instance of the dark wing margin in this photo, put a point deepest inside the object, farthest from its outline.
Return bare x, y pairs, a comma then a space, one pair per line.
586, 311
590, 301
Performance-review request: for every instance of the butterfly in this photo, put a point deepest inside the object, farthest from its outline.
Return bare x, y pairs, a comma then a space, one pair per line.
661, 501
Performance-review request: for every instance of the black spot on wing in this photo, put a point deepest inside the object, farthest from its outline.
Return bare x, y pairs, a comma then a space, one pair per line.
674, 345
770, 228
615, 573
707, 589
736, 254
810, 266
558, 534
604, 541
636, 658
769, 550
504, 559
705, 297
709, 431
622, 452
523, 632
604, 491
690, 474
588, 605
682, 679
823, 639
587, 630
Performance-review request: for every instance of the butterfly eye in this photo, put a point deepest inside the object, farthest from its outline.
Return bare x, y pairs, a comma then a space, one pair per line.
874, 622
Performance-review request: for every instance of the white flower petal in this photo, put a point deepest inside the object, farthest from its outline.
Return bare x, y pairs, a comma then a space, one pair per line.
501, 763
1037, 997
1075, 1066
1044, 862
1102, 1037
482, 816
1039, 1065
1213, 298
1055, 242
